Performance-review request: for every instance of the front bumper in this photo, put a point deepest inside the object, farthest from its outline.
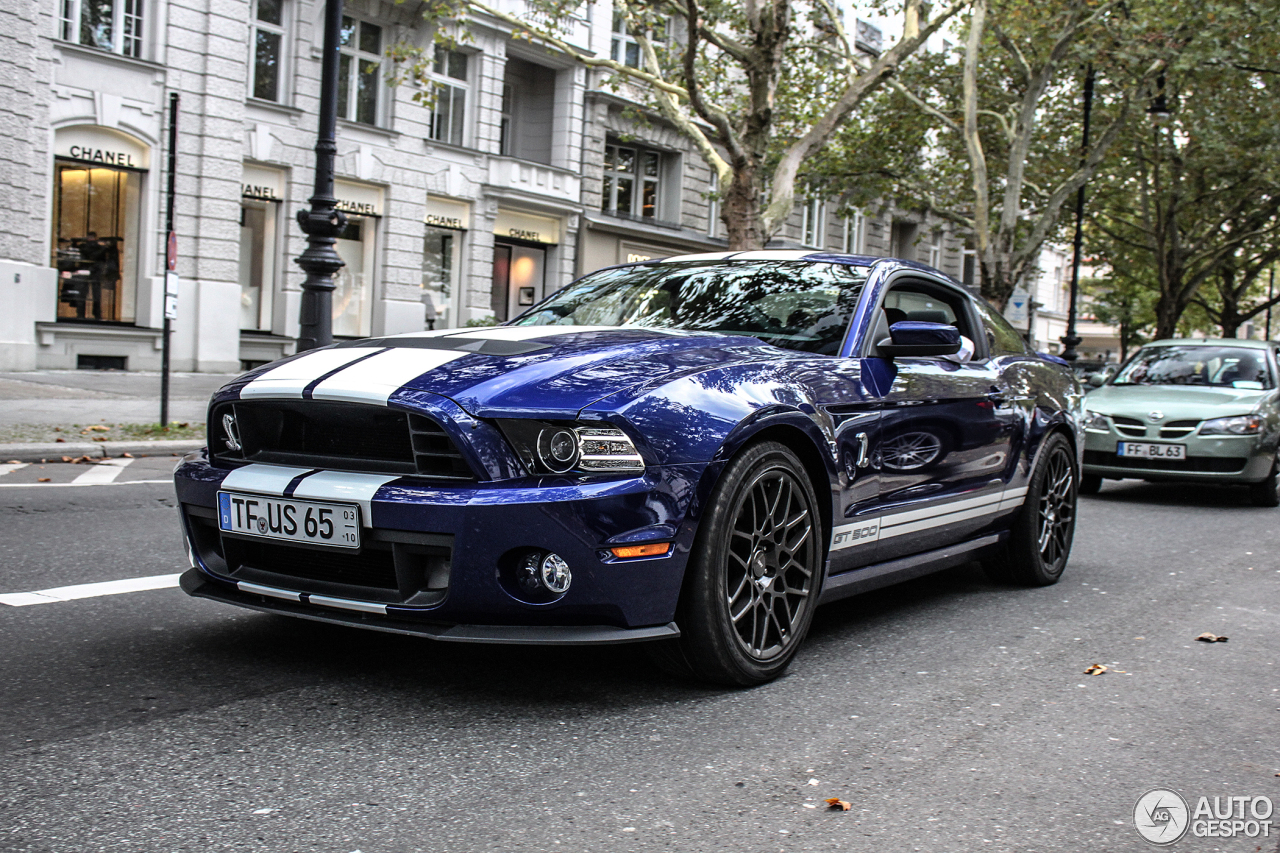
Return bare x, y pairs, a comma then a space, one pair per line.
1222, 459
439, 561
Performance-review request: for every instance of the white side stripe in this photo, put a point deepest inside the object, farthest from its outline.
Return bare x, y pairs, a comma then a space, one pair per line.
913, 521
376, 379
261, 479
289, 380
344, 486
88, 590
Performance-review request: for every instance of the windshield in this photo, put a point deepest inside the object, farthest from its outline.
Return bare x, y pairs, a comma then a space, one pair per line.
797, 305
1229, 367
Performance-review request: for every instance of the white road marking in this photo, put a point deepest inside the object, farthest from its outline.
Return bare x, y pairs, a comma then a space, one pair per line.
102, 472
88, 590
69, 485
8, 467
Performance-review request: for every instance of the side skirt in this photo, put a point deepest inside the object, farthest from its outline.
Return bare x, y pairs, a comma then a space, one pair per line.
877, 575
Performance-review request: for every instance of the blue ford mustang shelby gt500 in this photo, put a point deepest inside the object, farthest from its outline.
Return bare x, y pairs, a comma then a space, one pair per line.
695, 452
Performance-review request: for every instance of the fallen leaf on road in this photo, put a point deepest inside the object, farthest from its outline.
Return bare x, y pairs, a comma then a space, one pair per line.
127, 455
42, 479
100, 438
1206, 637
60, 441
66, 459
837, 804
97, 428
1096, 669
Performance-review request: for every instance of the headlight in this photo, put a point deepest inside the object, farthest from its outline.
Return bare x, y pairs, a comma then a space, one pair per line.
1238, 425
1096, 421
563, 448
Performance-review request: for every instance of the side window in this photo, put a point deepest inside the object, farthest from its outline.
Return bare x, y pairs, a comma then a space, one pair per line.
928, 304
1002, 339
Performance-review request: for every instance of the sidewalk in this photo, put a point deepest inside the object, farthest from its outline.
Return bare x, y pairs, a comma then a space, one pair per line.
40, 407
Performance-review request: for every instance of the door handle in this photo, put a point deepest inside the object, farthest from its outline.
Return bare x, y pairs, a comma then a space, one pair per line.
864, 444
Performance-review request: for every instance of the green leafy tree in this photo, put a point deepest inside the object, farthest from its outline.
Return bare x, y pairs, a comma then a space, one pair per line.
1195, 199
759, 87
1125, 303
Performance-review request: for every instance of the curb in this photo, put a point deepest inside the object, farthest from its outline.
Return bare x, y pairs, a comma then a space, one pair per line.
53, 452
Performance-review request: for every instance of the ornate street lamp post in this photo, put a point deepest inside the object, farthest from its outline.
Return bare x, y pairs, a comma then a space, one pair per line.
1071, 340
323, 222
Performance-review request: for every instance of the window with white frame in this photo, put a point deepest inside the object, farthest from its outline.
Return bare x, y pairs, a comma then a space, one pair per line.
632, 182
448, 116
855, 227
114, 25
935, 250
713, 206
268, 45
815, 219
626, 49
969, 266
359, 70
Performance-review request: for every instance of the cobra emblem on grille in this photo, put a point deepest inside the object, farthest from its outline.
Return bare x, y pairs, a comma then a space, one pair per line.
229, 428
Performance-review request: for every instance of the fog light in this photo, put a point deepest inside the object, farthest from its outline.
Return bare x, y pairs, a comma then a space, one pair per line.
556, 576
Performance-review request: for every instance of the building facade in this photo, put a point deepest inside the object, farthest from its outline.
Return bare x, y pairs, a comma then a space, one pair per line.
520, 173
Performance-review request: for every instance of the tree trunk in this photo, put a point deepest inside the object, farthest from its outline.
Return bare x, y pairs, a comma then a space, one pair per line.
740, 210
1168, 313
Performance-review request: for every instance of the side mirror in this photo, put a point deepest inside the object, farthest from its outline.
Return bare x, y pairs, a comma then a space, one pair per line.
917, 338
1096, 380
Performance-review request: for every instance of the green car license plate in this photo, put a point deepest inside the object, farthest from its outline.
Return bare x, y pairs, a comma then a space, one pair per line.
1143, 450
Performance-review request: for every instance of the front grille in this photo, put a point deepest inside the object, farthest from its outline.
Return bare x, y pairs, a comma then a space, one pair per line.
342, 436
1129, 427
1210, 464
1178, 429
367, 567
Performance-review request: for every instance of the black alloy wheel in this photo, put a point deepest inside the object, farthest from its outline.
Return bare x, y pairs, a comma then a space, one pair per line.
754, 576
1041, 533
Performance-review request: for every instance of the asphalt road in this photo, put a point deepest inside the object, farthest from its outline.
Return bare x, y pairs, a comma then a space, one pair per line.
951, 713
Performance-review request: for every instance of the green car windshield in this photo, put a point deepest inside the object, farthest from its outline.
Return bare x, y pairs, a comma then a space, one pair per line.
1225, 366
796, 305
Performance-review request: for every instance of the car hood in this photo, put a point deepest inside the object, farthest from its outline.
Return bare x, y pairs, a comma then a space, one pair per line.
507, 371
1176, 402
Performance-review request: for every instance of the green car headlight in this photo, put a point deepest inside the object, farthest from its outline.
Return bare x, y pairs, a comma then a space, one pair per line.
1096, 421
1238, 425
547, 447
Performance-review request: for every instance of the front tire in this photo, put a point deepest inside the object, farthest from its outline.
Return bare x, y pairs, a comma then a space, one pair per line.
1042, 532
755, 573
1265, 493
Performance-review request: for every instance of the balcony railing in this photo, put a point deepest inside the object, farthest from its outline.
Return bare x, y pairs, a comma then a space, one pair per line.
535, 178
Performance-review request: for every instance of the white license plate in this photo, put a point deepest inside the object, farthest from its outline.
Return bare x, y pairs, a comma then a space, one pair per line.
294, 521
1138, 450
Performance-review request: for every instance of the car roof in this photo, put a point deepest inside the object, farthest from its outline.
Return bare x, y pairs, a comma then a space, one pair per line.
1214, 342
810, 255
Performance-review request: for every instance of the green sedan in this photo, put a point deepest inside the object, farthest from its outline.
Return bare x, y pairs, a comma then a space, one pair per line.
1199, 410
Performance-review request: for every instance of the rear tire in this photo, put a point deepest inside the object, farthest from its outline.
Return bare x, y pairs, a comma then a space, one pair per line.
754, 576
1265, 493
1090, 484
1041, 534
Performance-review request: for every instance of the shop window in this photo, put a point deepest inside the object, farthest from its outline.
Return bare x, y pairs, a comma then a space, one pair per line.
359, 70
95, 223
441, 256
268, 45
114, 25
353, 291
257, 264
632, 182
448, 115
518, 279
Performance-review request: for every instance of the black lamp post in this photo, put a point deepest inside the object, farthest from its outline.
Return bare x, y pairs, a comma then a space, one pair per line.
1071, 340
323, 222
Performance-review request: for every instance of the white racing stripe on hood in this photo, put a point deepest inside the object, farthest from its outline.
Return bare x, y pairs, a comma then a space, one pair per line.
376, 379
344, 486
289, 379
262, 479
